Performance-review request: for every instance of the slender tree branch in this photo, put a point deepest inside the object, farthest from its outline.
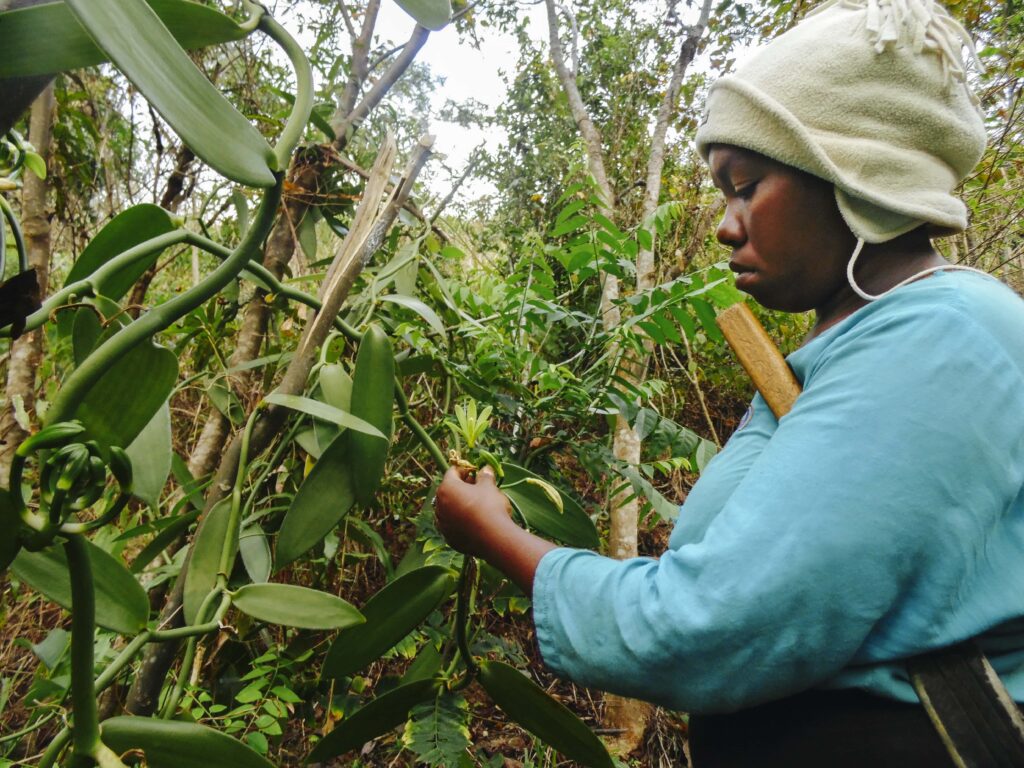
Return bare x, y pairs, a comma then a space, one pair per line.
656, 160
474, 161
358, 69
344, 125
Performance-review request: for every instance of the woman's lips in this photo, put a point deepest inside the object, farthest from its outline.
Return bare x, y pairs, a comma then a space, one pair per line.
744, 274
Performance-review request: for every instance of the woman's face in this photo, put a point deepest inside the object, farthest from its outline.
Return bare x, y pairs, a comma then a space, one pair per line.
789, 242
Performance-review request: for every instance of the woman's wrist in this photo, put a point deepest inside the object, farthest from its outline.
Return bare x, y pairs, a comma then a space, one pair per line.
515, 552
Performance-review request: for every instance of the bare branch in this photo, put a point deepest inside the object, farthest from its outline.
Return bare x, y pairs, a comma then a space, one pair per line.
458, 15
575, 39
474, 161
348, 20
595, 154
385, 56
409, 205
345, 125
656, 160
360, 55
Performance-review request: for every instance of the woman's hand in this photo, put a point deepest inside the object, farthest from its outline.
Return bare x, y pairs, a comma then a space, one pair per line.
474, 517
469, 512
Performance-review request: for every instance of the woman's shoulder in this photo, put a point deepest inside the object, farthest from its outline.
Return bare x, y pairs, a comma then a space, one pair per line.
954, 302
954, 312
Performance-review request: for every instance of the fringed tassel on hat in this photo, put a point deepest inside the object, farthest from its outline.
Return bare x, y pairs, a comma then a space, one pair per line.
922, 24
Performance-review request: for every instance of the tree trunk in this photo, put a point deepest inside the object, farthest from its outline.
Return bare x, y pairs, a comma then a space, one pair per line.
626, 716
27, 351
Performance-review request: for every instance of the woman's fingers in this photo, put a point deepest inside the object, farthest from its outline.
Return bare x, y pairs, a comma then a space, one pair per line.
486, 477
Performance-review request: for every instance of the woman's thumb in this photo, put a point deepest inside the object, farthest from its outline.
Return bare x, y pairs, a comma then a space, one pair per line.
485, 476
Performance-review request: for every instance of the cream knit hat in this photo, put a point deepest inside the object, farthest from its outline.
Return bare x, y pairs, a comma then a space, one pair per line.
870, 95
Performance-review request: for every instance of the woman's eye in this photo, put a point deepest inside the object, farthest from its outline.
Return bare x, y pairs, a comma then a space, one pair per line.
746, 190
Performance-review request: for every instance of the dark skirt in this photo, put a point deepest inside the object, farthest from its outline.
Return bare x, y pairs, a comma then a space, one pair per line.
819, 729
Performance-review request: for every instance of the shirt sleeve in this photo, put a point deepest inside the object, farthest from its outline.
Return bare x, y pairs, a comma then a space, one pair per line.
853, 538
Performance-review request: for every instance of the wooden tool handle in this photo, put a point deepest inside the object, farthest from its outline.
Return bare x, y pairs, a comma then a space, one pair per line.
760, 358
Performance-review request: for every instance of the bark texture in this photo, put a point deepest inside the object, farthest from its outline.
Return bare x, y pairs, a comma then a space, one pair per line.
27, 350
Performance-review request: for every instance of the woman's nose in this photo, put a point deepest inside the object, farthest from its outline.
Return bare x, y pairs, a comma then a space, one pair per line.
730, 229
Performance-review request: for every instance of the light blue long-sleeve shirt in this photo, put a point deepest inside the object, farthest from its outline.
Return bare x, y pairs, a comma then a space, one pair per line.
881, 518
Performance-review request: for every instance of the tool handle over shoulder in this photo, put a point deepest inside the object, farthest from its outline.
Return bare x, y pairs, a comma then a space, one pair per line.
760, 358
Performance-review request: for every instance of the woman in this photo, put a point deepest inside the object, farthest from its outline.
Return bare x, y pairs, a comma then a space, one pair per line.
883, 517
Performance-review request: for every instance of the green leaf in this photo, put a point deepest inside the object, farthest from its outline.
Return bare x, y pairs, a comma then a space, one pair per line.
324, 498
191, 487
324, 411
131, 33
401, 269
390, 614
127, 397
121, 602
426, 665
644, 238
150, 454
86, 330
36, 164
706, 315
255, 551
706, 451
666, 509
175, 744
527, 703
162, 540
609, 226
294, 606
571, 526
419, 308
373, 397
241, 204
201, 577
574, 207
10, 523
685, 321
378, 717
68, 45
570, 225
307, 236
52, 648
258, 742
432, 14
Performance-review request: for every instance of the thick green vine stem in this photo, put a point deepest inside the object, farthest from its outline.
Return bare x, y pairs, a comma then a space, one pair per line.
159, 318
93, 284
228, 552
304, 89
49, 758
19, 238
86, 731
467, 583
171, 705
230, 548
417, 428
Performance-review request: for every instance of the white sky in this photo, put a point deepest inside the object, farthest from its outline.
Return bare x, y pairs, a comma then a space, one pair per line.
467, 73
